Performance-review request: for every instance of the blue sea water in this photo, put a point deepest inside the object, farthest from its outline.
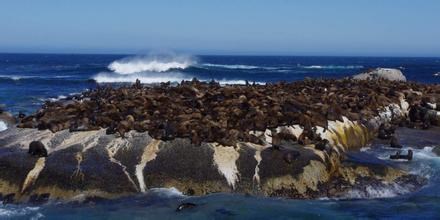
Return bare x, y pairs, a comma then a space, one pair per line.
28, 80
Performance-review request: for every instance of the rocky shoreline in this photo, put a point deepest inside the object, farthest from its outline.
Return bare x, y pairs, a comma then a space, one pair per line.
285, 139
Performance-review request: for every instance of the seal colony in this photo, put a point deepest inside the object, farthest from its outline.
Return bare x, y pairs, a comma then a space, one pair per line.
208, 112
283, 139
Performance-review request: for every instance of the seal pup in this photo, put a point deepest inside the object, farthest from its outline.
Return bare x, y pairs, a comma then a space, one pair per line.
36, 148
185, 205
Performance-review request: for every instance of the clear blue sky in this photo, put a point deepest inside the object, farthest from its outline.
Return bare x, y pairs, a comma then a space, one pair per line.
294, 27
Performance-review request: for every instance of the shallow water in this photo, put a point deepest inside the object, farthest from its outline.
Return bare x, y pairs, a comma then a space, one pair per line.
26, 81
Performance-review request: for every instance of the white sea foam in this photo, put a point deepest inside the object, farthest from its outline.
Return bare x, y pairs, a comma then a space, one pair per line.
154, 77
234, 82
145, 77
372, 192
53, 99
7, 212
3, 126
332, 67
152, 63
166, 192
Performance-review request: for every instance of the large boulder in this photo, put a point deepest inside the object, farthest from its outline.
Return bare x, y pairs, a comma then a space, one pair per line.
381, 73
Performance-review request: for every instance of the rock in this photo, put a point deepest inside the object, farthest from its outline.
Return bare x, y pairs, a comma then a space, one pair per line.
200, 138
382, 73
398, 156
436, 150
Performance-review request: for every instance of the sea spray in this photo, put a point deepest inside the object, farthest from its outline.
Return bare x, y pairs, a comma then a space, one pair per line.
151, 63
3, 126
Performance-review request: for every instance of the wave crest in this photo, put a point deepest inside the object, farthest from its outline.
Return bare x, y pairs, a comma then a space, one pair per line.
152, 63
333, 67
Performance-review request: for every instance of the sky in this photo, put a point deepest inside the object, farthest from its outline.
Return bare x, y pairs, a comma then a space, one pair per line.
237, 27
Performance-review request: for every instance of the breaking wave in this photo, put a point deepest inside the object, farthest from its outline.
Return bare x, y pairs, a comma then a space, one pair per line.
3, 126
152, 63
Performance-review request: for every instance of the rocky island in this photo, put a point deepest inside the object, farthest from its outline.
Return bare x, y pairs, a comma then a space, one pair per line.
290, 140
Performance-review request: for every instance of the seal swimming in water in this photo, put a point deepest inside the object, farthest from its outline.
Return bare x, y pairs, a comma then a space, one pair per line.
185, 205
36, 148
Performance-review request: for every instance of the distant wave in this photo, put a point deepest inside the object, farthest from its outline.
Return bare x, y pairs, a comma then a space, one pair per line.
21, 77
332, 67
15, 77
152, 63
236, 66
239, 66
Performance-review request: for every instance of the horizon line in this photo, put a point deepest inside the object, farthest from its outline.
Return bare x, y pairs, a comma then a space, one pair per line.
221, 54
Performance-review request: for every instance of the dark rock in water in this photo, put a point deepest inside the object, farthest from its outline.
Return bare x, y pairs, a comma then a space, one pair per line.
394, 143
39, 199
8, 198
186, 205
436, 150
386, 131
36, 148
397, 156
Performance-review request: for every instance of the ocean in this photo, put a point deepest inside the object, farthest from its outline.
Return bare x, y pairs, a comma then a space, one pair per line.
28, 80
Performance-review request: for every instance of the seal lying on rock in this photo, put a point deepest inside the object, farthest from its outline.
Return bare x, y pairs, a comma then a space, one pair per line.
36, 148
397, 156
207, 112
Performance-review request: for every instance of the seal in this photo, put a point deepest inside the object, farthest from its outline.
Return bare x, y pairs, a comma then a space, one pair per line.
184, 206
394, 143
36, 148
